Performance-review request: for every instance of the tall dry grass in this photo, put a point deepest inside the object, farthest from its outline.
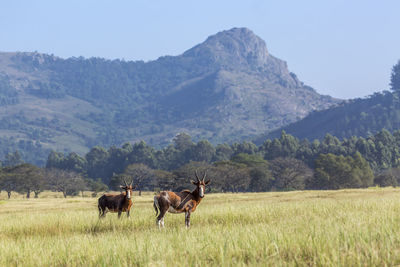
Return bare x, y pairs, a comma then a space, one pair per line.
323, 228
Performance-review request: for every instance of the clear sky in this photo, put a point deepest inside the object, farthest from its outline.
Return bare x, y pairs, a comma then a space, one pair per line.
342, 48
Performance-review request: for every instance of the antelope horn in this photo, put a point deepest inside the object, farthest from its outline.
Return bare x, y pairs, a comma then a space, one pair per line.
131, 183
204, 177
125, 182
195, 172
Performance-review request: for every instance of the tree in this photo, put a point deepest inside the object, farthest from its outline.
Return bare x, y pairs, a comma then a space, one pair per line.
8, 181
385, 179
55, 160
395, 78
245, 147
261, 179
396, 174
169, 158
75, 163
231, 176
97, 159
67, 182
95, 186
163, 180
260, 175
30, 179
141, 176
272, 149
13, 159
187, 172
289, 145
290, 173
361, 171
202, 151
182, 141
223, 152
116, 180
335, 172
117, 160
142, 153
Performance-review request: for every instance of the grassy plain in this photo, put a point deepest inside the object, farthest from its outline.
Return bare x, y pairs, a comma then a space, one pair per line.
322, 228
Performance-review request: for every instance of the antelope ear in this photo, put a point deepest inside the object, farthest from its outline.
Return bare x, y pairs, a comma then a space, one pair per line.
121, 186
207, 182
193, 182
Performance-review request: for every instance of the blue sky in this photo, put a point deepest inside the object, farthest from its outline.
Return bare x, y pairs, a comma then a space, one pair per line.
342, 48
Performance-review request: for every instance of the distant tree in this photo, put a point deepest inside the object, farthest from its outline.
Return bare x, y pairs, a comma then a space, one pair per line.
55, 160
141, 175
231, 176
335, 172
163, 180
385, 179
396, 174
290, 173
97, 159
117, 180
245, 148
361, 171
260, 175
9, 181
395, 78
182, 141
117, 161
202, 151
289, 145
272, 149
13, 159
142, 153
75, 163
95, 186
223, 152
67, 182
169, 158
30, 179
261, 179
187, 172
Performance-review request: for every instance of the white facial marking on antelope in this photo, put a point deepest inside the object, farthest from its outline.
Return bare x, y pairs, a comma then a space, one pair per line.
201, 193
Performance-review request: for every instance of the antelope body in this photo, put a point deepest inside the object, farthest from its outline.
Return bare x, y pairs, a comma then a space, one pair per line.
179, 202
116, 202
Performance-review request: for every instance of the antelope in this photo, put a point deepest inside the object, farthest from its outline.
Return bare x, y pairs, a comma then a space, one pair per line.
179, 202
116, 202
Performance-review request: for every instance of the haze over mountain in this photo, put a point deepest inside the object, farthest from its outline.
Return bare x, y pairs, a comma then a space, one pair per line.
225, 89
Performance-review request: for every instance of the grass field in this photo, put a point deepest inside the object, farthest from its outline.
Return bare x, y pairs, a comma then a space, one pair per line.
323, 228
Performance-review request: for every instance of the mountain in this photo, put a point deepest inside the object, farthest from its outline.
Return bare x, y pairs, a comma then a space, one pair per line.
225, 89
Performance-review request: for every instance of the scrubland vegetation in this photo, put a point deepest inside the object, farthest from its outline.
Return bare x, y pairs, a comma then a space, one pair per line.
324, 228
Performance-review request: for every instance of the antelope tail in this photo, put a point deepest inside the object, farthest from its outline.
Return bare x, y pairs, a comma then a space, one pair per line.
155, 205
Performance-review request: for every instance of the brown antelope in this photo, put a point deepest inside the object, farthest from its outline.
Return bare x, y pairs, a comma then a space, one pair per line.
116, 202
178, 202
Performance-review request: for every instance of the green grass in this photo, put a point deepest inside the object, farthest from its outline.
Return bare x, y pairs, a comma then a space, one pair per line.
323, 228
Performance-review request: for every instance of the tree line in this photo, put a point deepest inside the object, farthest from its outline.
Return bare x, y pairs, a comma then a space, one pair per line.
284, 163
29, 179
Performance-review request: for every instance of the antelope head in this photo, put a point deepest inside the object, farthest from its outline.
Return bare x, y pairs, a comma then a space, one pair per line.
128, 188
201, 184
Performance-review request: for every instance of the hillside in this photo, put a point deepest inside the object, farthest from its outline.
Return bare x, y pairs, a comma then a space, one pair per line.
224, 89
358, 117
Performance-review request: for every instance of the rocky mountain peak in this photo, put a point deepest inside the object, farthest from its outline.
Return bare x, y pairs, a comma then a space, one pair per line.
234, 46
